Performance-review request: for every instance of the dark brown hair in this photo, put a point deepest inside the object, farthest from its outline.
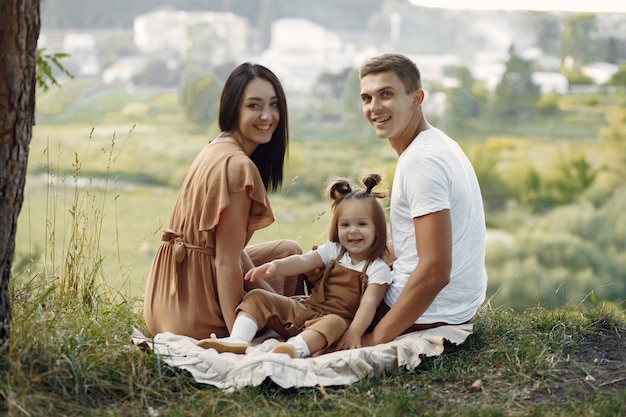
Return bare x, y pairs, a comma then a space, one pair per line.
268, 157
340, 190
404, 68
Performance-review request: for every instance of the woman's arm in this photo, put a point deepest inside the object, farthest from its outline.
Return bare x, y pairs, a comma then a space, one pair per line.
230, 239
372, 297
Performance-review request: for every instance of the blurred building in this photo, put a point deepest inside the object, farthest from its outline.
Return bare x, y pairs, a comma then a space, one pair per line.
220, 35
550, 82
600, 72
301, 50
83, 54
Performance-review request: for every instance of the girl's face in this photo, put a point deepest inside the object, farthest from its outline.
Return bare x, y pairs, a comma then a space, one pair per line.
258, 114
355, 229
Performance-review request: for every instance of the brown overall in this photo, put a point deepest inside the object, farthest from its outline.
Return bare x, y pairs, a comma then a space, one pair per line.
329, 310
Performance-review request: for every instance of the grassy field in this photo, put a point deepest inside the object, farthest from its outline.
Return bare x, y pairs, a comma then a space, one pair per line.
69, 358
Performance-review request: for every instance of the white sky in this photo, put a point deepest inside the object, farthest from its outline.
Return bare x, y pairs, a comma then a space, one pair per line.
557, 5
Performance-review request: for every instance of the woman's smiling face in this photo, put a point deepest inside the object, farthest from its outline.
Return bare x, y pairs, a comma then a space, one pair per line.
258, 114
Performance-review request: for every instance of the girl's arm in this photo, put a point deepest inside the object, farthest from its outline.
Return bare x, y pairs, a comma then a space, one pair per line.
291, 265
259, 283
230, 239
372, 297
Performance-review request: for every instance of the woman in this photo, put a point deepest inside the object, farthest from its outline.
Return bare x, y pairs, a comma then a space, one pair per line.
196, 279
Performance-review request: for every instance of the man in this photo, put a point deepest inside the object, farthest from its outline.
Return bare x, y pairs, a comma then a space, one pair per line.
437, 219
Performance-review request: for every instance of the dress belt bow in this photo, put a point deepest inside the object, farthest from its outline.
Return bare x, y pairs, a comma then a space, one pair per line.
181, 247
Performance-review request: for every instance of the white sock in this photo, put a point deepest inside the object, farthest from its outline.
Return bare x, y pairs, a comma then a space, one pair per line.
244, 330
301, 347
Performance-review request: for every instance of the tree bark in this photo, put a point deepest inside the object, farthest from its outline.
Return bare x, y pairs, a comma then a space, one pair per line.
19, 32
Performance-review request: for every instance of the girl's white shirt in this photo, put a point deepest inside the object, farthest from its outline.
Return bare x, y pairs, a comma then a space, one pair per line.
378, 271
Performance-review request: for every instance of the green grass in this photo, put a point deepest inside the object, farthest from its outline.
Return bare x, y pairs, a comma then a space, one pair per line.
66, 358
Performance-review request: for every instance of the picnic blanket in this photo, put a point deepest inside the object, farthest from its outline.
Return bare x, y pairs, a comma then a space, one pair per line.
231, 371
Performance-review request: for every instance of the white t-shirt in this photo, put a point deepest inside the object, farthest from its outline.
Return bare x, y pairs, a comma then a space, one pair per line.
433, 174
378, 271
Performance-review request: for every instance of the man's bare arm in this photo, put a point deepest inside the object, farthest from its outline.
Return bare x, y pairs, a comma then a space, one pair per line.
434, 245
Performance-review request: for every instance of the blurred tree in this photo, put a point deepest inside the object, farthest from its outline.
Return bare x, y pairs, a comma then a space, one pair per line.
516, 95
494, 191
615, 131
548, 30
331, 85
612, 50
573, 177
19, 31
614, 135
575, 75
579, 39
548, 104
200, 100
351, 95
206, 49
542, 191
200, 92
463, 105
619, 78
159, 73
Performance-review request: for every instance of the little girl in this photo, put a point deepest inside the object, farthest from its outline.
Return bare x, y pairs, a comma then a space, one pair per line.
342, 302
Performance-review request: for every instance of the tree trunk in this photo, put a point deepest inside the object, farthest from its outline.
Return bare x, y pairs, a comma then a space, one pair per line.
19, 31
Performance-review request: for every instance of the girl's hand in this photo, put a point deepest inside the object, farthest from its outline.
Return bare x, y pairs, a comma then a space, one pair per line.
349, 340
262, 271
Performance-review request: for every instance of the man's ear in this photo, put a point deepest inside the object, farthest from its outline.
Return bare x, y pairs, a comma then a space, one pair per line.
418, 96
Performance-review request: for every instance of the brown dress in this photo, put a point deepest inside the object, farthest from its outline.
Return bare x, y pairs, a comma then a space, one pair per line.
181, 292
